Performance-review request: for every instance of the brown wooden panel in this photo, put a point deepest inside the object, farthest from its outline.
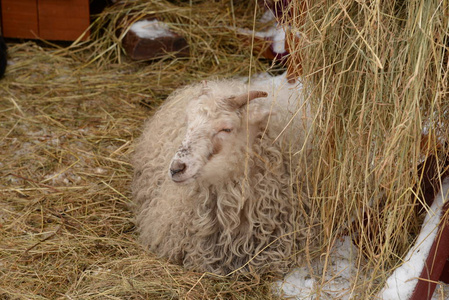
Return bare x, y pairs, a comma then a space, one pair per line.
63, 20
435, 262
19, 18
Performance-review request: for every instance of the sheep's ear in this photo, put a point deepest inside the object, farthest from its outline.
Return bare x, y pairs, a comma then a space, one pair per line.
236, 102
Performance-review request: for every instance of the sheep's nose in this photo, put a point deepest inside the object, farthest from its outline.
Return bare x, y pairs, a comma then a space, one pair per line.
177, 167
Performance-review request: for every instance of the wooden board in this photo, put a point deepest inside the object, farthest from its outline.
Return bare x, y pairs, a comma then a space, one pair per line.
19, 18
63, 20
435, 266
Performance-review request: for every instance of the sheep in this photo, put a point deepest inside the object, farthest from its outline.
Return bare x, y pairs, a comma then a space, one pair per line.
212, 185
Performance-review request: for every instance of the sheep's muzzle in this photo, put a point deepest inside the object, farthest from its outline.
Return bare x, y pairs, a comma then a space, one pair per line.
177, 168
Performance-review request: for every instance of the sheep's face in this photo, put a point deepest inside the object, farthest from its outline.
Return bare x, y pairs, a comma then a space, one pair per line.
218, 134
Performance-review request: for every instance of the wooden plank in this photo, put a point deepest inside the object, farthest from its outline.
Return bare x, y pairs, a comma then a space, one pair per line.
445, 274
19, 18
436, 266
63, 20
435, 263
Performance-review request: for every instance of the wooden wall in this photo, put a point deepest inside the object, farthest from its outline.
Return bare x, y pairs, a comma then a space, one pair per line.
46, 19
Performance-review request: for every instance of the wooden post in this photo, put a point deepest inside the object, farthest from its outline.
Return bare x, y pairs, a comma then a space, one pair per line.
445, 274
436, 267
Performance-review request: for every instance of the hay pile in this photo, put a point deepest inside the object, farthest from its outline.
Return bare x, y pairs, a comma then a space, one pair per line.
377, 73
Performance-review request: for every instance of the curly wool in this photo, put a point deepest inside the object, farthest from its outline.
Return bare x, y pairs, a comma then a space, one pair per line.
248, 222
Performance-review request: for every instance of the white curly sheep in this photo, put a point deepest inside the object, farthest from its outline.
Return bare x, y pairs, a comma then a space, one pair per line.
212, 185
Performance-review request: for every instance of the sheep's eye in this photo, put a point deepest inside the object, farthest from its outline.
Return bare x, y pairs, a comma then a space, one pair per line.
228, 130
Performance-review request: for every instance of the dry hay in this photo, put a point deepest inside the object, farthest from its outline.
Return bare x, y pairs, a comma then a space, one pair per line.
377, 73
67, 124
65, 229
209, 28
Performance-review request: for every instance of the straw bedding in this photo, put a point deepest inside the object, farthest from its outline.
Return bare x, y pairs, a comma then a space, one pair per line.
67, 129
376, 73
65, 228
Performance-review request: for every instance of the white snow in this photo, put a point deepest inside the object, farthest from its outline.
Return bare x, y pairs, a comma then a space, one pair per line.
335, 283
279, 40
151, 29
401, 283
276, 34
99, 170
62, 177
441, 292
267, 16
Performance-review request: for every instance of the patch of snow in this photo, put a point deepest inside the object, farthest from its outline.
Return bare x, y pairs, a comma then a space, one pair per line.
151, 29
441, 292
339, 276
64, 177
298, 284
259, 34
99, 170
279, 40
401, 284
268, 16
276, 34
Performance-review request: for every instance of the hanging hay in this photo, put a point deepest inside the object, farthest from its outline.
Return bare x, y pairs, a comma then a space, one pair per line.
377, 74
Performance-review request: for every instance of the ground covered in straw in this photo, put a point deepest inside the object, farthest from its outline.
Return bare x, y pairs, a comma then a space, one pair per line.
67, 125
66, 135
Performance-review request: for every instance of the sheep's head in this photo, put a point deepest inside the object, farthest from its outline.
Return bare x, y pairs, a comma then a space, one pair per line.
218, 132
